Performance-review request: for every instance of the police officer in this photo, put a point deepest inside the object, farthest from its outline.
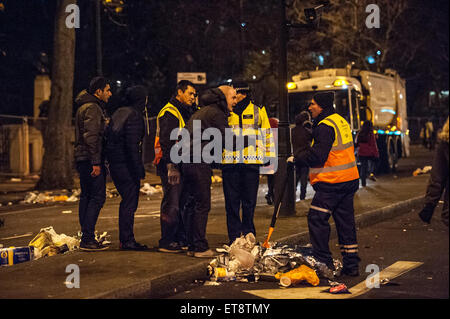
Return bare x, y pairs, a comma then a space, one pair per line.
240, 166
174, 115
334, 176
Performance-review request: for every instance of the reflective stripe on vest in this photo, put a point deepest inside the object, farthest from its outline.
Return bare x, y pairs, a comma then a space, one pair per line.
340, 165
250, 123
175, 112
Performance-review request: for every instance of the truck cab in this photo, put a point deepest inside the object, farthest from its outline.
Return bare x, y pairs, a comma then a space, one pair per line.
360, 95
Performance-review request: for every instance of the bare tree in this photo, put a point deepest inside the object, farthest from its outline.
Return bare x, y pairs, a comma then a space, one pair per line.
58, 159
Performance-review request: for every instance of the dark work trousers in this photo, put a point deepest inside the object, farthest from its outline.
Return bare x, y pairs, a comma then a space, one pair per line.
240, 187
128, 188
175, 208
340, 206
367, 167
92, 198
270, 185
198, 176
301, 174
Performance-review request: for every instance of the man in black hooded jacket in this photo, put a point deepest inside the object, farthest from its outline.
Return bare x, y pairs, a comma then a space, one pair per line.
124, 153
90, 124
217, 103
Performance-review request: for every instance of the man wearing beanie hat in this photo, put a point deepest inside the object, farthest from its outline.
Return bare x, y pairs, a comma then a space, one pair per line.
124, 152
241, 167
334, 176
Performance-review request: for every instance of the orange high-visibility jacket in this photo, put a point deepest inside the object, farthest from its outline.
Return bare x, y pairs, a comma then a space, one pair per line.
340, 165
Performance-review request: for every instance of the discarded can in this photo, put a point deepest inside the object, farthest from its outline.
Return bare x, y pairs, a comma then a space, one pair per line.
339, 289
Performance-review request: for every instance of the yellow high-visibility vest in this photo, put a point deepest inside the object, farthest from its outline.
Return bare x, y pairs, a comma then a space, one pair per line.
340, 165
174, 111
253, 122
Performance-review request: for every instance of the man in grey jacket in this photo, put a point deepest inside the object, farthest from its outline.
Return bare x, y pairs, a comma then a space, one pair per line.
90, 124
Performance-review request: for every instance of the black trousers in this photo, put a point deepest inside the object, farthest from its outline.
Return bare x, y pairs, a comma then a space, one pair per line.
176, 211
270, 185
198, 176
128, 188
301, 175
367, 167
92, 198
240, 187
340, 206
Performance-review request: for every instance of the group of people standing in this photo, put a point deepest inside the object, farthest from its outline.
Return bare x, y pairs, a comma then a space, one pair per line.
117, 141
115, 144
323, 146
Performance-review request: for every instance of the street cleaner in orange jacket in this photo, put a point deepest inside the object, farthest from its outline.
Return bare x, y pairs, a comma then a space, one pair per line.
334, 176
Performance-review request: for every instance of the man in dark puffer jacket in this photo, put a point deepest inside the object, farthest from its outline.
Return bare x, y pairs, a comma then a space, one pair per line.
124, 153
90, 123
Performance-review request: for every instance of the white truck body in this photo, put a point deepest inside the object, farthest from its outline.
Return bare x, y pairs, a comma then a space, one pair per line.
361, 95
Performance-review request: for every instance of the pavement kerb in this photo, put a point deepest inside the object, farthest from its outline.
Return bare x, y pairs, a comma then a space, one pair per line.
165, 285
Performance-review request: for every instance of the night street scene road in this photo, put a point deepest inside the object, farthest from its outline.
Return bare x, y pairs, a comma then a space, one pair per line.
224, 159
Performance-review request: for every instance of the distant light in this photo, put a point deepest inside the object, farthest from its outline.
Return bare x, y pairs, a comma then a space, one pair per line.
432, 93
207, 21
378, 52
243, 24
229, 80
254, 77
263, 51
341, 82
445, 93
291, 85
370, 59
321, 59
119, 83
388, 111
401, 96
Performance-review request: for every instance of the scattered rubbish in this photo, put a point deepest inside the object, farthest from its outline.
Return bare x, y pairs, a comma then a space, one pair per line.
15, 255
14, 179
216, 179
67, 212
424, 170
211, 283
48, 242
248, 261
337, 288
297, 275
17, 236
48, 197
147, 189
111, 193
388, 282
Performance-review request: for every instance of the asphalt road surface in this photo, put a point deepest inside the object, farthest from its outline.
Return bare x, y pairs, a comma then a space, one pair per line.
412, 255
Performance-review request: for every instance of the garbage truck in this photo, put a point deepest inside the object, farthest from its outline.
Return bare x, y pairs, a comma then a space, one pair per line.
360, 95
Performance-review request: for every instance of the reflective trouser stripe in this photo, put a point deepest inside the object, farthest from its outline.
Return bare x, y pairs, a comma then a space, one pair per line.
349, 248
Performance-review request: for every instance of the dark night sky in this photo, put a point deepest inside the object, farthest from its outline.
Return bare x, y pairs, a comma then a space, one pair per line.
26, 31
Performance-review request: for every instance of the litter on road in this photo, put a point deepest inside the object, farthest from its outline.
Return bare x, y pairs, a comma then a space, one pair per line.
147, 189
424, 170
248, 261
